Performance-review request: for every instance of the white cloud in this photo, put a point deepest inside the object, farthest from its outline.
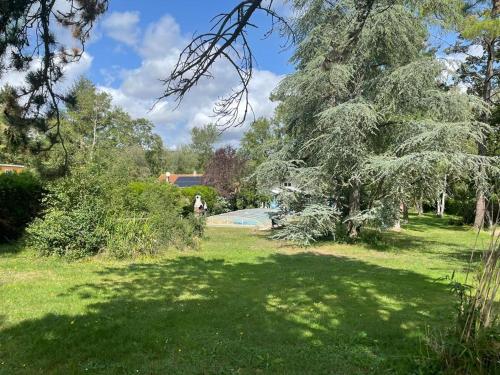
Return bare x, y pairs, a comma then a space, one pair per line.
140, 87
123, 27
71, 72
162, 38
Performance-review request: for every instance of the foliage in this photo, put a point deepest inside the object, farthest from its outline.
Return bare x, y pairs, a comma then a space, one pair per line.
21, 196
313, 222
372, 128
31, 46
208, 195
478, 28
224, 170
462, 202
249, 197
203, 141
74, 213
258, 141
181, 160
97, 209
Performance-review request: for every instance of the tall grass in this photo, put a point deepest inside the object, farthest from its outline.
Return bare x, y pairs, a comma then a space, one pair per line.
473, 345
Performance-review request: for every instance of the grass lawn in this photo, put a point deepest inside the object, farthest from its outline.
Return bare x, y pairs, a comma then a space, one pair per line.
240, 304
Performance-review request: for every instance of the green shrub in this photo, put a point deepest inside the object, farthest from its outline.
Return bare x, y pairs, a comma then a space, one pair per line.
151, 219
463, 207
151, 197
20, 197
462, 202
248, 197
74, 212
74, 233
130, 236
88, 212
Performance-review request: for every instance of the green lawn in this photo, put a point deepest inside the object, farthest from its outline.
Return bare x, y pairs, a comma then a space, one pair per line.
240, 304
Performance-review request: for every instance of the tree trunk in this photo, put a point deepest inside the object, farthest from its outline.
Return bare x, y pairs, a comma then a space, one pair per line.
419, 206
354, 207
489, 73
480, 211
405, 213
442, 199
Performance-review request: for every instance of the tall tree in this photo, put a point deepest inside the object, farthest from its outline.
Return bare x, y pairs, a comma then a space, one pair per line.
224, 171
367, 126
89, 114
29, 45
258, 141
479, 28
203, 140
181, 160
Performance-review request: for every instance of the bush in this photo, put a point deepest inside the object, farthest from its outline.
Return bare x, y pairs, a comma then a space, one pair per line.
74, 233
73, 216
462, 202
463, 207
150, 197
89, 212
20, 197
150, 220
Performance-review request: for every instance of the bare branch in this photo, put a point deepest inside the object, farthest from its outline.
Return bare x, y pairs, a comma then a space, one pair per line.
227, 40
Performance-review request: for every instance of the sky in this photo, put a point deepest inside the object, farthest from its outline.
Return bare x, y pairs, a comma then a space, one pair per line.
137, 43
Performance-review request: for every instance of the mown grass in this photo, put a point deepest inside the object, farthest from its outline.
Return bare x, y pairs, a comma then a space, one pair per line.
241, 304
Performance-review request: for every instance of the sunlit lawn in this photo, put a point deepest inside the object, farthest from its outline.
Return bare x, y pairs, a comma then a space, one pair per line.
240, 304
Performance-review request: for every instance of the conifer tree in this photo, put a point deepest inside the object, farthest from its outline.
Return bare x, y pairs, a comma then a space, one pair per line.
369, 129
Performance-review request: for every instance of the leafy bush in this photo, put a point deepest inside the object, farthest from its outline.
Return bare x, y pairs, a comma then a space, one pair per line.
74, 233
130, 236
150, 219
75, 210
87, 213
150, 197
20, 197
463, 207
249, 197
462, 202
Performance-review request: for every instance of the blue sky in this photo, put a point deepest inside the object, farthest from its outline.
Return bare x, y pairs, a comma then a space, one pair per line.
192, 16
136, 43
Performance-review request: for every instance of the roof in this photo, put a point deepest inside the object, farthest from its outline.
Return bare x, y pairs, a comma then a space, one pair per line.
183, 180
12, 165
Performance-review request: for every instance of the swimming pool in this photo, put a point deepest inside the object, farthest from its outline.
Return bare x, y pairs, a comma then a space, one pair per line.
259, 218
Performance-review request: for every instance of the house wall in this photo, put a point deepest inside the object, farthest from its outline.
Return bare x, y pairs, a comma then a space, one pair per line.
11, 168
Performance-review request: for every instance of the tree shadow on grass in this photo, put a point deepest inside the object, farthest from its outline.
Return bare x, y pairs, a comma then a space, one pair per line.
289, 314
13, 247
421, 223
